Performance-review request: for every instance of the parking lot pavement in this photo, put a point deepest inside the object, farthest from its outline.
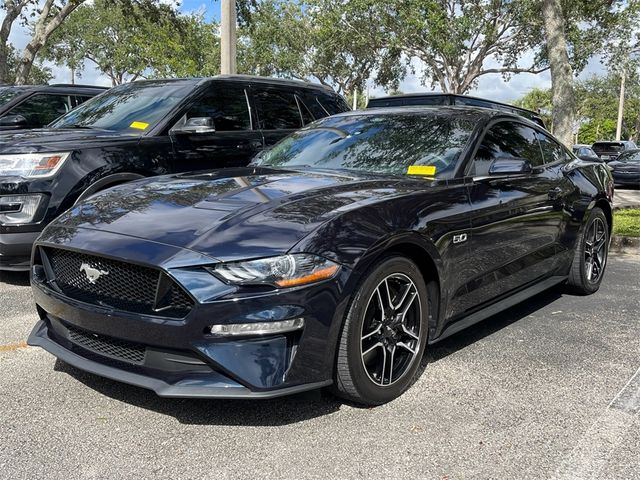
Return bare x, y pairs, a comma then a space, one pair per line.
626, 198
548, 389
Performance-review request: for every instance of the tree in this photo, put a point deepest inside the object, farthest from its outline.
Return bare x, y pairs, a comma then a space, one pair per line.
538, 100
561, 72
38, 75
596, 107
455, 39
126, 42
341, 44
49, 16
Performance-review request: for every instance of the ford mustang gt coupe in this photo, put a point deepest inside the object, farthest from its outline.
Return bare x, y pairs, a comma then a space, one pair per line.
334, 259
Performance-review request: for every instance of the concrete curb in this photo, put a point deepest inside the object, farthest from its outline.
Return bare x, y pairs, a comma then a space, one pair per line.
621, 244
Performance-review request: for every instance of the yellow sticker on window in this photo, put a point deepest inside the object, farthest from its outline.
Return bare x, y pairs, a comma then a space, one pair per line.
139, 125
427, 170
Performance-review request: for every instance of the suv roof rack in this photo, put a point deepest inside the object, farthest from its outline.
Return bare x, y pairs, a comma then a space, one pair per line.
77, 85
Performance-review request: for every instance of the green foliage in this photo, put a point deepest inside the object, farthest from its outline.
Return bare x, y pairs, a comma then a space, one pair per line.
341, 44
538, 100
597, 107
126, 41
39, 74
627, 222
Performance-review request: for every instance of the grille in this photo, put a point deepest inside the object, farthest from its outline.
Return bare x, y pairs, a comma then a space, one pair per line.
111, 347
120, 285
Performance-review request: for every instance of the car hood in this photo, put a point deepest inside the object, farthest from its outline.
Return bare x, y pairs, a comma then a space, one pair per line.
57, 139
233, 213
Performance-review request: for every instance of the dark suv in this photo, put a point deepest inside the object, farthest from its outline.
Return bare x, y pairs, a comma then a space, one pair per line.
609, 151
142, 129
34, 106
434, 98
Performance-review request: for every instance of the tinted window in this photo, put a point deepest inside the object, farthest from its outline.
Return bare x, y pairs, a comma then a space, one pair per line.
333, 104
604, 147
41, 109
80, 99
551, 150
506, 140
376, 143
131, 108
277, 110
227, 105
306, 114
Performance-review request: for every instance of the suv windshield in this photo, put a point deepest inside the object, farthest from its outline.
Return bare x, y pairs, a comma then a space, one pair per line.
131, 108
630, 157
376, 143
8, 93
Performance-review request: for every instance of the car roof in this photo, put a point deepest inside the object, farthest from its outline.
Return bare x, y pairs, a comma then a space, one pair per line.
58, 87
241, 78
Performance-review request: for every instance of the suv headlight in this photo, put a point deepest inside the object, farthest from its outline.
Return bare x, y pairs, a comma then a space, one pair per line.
283, 271
32, 165
19, 209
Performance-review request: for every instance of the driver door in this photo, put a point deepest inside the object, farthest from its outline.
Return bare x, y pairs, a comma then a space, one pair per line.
515, 217
233, 143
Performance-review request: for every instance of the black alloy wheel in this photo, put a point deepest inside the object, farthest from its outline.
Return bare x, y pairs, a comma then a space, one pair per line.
384, 335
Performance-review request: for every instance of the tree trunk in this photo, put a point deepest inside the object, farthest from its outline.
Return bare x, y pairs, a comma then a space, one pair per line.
13, 9
45, 26
564, 105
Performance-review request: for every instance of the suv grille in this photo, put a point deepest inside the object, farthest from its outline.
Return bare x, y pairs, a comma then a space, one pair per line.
110, 347
116, 284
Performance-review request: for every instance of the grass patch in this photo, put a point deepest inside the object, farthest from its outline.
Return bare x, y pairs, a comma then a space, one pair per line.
627, 222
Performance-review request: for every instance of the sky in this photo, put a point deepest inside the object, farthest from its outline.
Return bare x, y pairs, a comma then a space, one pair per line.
491, 86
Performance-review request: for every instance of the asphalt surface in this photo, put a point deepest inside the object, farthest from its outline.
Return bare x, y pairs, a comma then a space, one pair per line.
548, 389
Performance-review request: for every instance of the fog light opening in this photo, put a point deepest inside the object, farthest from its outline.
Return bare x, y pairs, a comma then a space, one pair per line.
256, 328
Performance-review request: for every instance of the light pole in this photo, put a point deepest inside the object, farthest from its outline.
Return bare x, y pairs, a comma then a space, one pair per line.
228, 37
620, 107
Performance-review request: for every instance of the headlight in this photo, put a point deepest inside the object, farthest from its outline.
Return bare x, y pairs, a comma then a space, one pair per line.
284, 271
19, 209
32, 165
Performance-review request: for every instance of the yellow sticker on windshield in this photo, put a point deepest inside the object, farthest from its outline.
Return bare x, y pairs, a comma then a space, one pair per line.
427, 170
139, 125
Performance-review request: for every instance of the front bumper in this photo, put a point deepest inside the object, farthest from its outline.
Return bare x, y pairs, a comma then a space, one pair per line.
15, 250
211, 385
257, 366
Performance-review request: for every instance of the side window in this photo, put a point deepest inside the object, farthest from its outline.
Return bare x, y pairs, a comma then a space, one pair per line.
42, 109
333, 104
78, 100
552, 150
227, 105
277, 110
306, 114
506, 140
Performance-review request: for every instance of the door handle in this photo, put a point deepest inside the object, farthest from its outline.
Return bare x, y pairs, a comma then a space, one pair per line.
555, 193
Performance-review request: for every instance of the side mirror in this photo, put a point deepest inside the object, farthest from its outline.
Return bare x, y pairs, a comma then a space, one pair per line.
510, 166
13, 121
195, 126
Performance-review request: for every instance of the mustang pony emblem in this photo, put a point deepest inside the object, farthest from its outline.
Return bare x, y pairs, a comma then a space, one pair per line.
93, 274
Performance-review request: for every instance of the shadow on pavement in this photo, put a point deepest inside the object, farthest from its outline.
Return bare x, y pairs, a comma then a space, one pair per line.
491, 325
20, 279
291, 409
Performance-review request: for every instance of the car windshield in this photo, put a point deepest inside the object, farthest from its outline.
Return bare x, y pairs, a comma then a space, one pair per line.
631, 157
377, 143
131, 108
8, 93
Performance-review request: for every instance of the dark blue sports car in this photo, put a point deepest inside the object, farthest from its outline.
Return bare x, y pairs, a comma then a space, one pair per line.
336, 258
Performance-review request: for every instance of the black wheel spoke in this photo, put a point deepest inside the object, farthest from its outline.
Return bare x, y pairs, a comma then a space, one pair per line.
390, 338
595, 250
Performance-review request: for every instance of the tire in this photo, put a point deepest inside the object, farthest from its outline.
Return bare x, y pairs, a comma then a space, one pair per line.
393, 343
590, 256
